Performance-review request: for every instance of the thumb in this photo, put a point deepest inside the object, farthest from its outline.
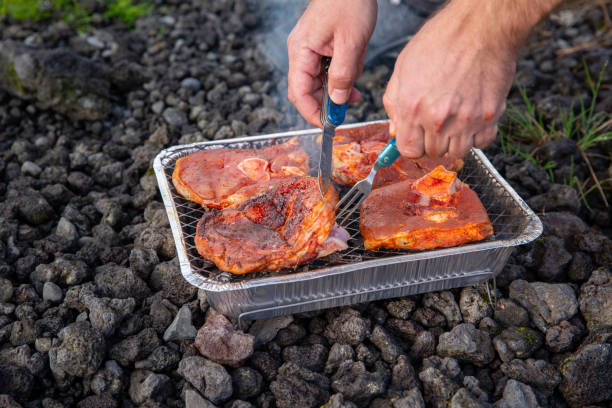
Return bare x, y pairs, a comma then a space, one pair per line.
344, 69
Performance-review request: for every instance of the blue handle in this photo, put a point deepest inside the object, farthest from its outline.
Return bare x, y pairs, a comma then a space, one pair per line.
335, 113
388, 155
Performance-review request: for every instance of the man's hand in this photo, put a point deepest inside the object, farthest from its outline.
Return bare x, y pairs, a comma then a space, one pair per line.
339, 29
450, 83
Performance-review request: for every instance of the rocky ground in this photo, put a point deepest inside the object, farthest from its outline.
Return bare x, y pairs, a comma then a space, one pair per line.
95, 313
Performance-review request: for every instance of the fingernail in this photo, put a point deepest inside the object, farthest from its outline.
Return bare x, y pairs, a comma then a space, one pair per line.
392, 129
339, 96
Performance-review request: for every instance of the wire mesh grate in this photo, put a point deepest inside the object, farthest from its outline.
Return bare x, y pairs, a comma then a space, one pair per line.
506, 215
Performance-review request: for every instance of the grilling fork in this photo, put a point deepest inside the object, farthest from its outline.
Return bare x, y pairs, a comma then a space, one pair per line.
355, 196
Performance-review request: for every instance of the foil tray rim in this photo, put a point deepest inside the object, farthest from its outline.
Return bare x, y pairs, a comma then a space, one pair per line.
532, 230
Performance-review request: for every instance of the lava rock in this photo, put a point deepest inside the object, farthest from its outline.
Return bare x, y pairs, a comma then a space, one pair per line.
401, 308
148, 386
135, 347
429, 317
16, 381
410, 399
142, 262
389, 347
596, 299
211, 379
586, 375
473, 305
517, 342
311, 357
298, 387
175, 118
161, 359
403, 376
218, 341
24, 332
438, 388
538, 373
109, 380
167, 277
463, 398
558, 198
58, 79
181, 327
347, 327
581, 267
247, 382
552, 258
444, 302
466, 343
562, 337
564, 225
508, 313
119, 282
337, 354
517, 395
34, 208
266, 363
291, 335
97, 401
357, 384
194, 400
265, 330
79, 353
548, 304
52, 293
337, 401
6, 290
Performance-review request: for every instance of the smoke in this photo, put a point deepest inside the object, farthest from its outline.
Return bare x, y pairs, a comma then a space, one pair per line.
397, 21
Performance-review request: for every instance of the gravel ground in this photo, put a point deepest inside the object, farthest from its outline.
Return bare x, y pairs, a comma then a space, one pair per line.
94, 311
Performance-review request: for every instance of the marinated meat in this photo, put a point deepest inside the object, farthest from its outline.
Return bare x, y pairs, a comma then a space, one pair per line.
279, 223
437, 210
210, 177
355, 151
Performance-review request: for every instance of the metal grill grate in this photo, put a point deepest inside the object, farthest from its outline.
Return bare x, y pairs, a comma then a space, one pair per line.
508, 221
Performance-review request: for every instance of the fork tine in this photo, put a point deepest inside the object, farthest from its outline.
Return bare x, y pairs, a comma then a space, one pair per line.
349, 204
351, 193
349, 212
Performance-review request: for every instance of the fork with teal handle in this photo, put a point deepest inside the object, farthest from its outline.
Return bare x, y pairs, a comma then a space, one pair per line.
355, 196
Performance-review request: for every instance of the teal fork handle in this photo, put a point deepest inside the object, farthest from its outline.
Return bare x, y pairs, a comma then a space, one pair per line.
388, 155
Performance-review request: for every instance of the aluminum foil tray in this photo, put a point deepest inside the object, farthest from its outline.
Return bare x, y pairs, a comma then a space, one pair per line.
354, 275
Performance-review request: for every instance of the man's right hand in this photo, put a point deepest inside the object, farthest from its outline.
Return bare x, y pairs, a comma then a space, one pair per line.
339, 29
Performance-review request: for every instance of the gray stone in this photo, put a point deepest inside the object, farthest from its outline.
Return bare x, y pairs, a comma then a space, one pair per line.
552, 258
586, 375
357, 384
52, 292
467, 343
517, 342
538, 373
517, 395
337, 401
558, 198
195, 400
347, 327
79, 352
167, 277
508, 313
6, 290
444, 302
191, 83
389, 347
8, 402
562, 337
30, 169
58, 79
298, 387
564, 225
175, 118
210, 379
105, 314
148, 386
596, 299
473, 305
265, 330
337, 354
110, 379
33, 207
424, 345
181, 327
581, 267
548, 304
218, 341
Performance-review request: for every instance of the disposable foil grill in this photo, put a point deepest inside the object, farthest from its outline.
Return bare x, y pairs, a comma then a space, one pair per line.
513, 224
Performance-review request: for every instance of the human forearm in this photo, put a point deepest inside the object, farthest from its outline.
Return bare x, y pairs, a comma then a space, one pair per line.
505, 22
